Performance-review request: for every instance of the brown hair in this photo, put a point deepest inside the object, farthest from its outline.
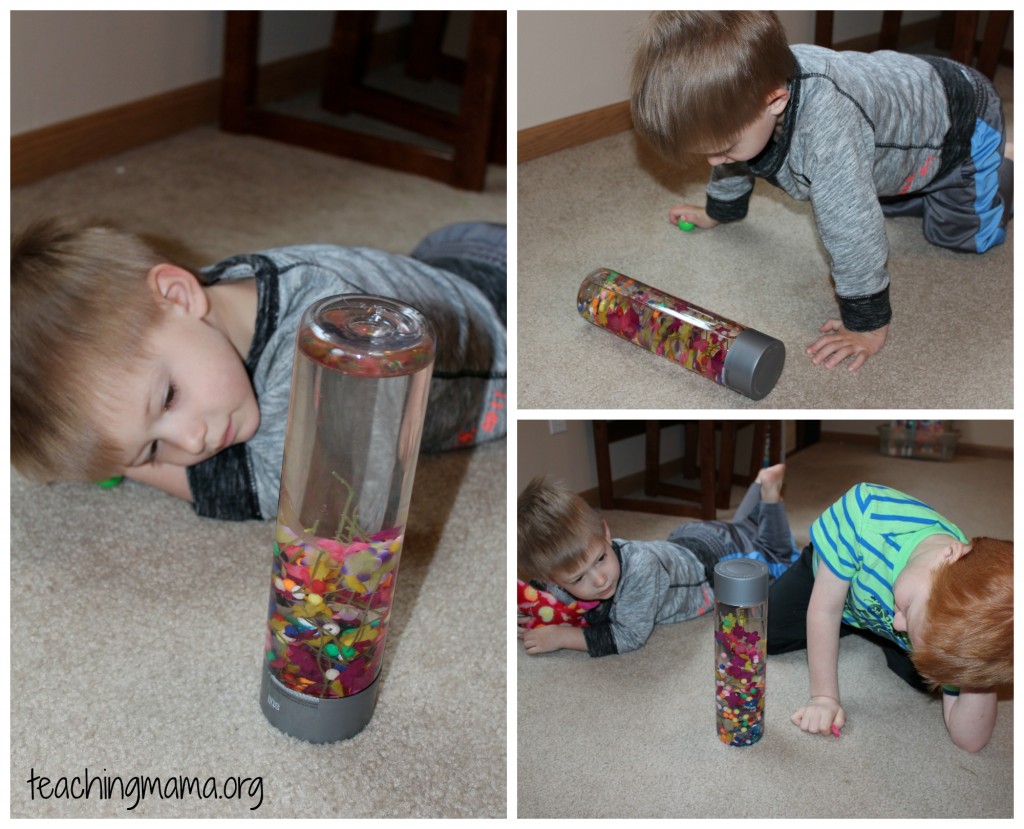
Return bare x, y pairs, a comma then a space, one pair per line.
968, 636
700, 78
80, 307
556, 527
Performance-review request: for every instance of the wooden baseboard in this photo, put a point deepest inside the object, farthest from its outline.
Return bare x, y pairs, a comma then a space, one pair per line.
63, 146
564, 133
975, 450
43, 152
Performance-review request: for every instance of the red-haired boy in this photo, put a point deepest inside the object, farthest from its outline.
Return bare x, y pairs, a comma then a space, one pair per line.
940, 605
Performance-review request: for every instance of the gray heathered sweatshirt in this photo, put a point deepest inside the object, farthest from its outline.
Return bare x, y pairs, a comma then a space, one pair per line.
243, 481
857, 127
660, 583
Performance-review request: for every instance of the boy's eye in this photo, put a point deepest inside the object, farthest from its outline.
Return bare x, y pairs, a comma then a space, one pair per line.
172, 393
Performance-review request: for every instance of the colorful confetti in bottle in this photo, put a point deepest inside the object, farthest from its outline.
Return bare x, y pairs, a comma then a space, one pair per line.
359, 391
741, 620
724, 351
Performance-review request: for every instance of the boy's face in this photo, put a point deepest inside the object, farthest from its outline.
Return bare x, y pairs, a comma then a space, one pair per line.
187, 401
910, 599
597, 576
754, 138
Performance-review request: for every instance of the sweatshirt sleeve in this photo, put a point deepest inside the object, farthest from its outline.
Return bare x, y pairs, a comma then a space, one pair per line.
850, 224
728, 192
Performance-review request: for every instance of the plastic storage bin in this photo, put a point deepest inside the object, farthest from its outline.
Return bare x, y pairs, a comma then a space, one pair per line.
900, 442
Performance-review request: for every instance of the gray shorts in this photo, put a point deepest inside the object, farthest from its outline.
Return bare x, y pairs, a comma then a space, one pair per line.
967, 208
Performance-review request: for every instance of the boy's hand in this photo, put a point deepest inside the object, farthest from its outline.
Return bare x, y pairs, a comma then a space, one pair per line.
552, 638
691, 213
819, 715
836, 344
540, 640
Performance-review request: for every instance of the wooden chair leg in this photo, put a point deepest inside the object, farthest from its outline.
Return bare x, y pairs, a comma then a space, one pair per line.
240, 72
425, 49
965, 25
476, 107
351, 40
726, 461
757, 450
602, 455
652, 460
992, 42
889, 36
823, 29
707, 470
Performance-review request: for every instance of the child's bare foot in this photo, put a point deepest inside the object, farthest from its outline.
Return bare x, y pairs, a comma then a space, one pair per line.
771, 479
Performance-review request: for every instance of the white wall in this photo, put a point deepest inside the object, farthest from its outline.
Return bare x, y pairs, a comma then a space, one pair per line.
569, 455
68, 64
573, 62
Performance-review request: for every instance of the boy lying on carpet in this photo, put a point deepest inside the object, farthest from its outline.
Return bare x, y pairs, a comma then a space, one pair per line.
566, 549
941, 607
123, 363
861, 136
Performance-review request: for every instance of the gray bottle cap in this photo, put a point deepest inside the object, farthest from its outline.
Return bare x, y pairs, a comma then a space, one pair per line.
753, 363
742, 582
311, 718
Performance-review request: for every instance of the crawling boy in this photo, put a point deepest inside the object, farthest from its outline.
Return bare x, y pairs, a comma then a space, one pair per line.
861, 136
566, 548
125, 363
940, 605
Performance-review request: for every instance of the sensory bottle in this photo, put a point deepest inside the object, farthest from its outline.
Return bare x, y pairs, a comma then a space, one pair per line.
360, 382
741, 623
730, 354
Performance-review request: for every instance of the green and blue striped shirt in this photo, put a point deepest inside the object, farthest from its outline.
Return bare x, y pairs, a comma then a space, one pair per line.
866, 538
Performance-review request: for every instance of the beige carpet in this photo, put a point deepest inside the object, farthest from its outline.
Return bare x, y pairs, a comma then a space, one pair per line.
137, 627
606, 204
633, 736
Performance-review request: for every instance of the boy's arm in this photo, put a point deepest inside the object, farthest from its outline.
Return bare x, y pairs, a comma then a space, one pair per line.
163, 476
970, 717
824, 615
728, 192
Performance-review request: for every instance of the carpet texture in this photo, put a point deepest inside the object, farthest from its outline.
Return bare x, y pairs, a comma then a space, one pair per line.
137, 627
606, 203
633, 735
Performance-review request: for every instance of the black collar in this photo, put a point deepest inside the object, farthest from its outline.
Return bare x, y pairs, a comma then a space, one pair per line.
769, 161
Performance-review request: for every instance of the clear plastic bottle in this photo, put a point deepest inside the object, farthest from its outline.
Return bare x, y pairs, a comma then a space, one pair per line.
740, 358
741, 627
359, 393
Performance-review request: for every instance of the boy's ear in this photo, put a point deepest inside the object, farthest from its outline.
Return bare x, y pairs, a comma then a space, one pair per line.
171, 284
607, 532
954, 552
777, 100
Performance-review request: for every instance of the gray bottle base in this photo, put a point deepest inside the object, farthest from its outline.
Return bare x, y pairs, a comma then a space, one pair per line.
753, 363
312, 719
